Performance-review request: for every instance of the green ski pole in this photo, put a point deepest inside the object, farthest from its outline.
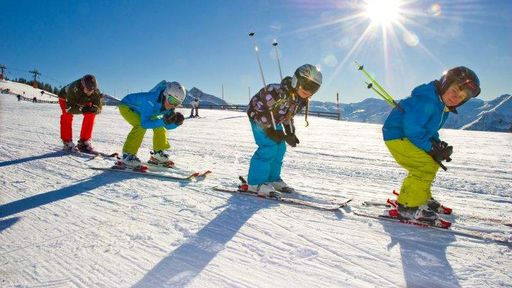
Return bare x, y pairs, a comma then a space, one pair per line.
379, 90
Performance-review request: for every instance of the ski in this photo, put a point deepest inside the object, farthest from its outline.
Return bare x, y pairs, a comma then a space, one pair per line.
156, 168
191, 177
474, 235
90, 155
287, 200
95, 154
474, 217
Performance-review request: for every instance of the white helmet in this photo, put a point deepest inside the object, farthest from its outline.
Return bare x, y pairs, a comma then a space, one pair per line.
174, 93
308, 77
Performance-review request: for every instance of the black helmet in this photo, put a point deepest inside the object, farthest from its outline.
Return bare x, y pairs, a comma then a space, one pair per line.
89, 82
462, 76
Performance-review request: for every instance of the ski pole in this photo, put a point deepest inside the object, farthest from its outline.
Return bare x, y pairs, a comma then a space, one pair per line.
277, 57
379, 90
251, 34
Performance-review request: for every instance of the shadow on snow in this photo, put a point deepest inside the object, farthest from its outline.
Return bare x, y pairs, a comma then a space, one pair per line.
62, 193
187, 261
423, 253
33, 158
6, 223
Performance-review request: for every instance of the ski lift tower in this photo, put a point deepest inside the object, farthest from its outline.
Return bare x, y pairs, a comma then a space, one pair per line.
2, 69
36, 73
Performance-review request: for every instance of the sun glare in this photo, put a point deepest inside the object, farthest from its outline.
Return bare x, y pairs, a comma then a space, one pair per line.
383, 12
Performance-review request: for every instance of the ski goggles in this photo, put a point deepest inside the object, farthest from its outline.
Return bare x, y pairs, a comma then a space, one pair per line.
470, 87
173, 101
310, 86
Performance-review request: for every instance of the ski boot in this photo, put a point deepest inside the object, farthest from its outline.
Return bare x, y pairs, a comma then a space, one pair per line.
264, 190
69, 146
85, 147
422, 214
438, 207
431, 203
281, 186
159, 158
130, 161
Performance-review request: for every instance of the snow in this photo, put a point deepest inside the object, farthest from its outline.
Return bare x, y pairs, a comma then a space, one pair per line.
63, 225
27, 91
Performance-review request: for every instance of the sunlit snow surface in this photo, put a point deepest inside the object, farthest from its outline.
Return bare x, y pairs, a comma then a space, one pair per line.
63, 225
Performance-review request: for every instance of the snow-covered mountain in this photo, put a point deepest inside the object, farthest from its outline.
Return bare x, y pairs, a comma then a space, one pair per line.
476, 114
204, 98
495, 115
109, 100
65, 225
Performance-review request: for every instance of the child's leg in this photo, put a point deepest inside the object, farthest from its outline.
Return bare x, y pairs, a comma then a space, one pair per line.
66, 121
415, 190
87, 126
277, 162
261, 162
160, 139
136, 135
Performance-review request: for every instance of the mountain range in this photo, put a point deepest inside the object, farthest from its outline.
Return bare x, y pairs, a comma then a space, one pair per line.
476, 114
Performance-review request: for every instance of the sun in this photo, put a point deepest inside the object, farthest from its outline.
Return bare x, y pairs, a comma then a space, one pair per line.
383, 12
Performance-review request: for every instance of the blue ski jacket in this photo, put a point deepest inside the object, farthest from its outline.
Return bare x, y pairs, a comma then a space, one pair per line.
424, 114
149, 105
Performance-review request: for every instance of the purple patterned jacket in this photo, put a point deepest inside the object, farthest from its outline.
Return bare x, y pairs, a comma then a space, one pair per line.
275, 105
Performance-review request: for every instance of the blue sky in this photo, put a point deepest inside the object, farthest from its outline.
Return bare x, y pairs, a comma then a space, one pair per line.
132, 45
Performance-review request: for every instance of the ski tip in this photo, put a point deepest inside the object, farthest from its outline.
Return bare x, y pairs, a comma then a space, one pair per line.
195, 174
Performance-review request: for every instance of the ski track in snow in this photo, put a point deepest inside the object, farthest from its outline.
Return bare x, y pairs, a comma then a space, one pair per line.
63, 225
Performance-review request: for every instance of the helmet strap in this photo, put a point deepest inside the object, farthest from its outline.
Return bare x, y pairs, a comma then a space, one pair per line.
306, 112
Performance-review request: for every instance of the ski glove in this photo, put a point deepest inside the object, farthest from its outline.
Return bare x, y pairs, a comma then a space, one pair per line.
291, 139
277, 136
89, 109
441, 151
175, 118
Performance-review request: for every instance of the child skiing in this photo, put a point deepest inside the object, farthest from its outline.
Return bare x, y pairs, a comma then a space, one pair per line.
412, 138
79, 97
270, 112
151, 110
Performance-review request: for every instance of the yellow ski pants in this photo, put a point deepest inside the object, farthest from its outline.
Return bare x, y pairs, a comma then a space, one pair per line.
136, 135
415, 190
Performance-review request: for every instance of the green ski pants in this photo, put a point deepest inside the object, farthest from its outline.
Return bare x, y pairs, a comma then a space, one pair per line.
136, 135
415, 190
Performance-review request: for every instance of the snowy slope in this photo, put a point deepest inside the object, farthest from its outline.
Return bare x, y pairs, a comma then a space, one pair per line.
63, 225
27, 91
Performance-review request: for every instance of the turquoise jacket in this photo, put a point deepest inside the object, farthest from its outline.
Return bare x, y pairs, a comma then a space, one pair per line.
149, 105
423, 117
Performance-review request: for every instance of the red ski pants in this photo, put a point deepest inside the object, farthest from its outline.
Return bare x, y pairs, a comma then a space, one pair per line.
66, 124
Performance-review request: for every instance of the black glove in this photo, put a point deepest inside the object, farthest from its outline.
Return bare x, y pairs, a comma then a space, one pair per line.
277, 136
89, 109
441, 151
291, 139
175, 118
